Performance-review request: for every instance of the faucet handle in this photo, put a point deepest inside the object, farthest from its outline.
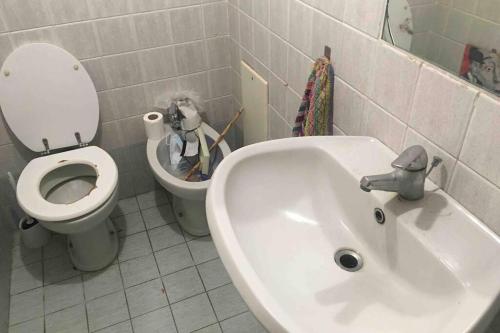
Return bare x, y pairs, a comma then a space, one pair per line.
413, 158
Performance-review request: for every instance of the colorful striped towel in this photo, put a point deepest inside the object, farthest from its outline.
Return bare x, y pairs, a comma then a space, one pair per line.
315, 115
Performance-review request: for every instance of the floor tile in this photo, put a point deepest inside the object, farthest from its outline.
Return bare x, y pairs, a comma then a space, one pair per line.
243, 323
203, 249
215, 328
158, 321
158, 216
101, 283
63, 294
227, 302
139, 270
58, 269
146, 297
134, 246
32, 326
152, 199
107, 311
56, 247
166, 236
72, 320
213, 274
173, 259
183, 284
26, 278
129, 224
125, 206
123, 327
193, 313
22, 256
26, 306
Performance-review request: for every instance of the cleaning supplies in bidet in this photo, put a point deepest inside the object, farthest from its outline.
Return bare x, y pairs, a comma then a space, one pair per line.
204, 152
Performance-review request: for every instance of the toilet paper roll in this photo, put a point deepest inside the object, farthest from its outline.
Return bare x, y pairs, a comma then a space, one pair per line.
32, 233
153, 122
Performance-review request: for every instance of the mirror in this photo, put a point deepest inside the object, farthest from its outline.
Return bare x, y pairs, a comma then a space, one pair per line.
461, 36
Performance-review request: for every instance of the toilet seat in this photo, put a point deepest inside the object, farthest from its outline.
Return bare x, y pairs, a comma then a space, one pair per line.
33, 203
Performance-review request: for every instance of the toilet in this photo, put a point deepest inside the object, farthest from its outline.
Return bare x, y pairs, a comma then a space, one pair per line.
50, 104
188, 197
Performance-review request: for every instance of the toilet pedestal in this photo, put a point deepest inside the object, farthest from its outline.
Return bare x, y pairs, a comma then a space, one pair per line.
94, 249
191, 215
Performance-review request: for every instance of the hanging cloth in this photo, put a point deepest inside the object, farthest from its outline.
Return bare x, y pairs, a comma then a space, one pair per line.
315, 116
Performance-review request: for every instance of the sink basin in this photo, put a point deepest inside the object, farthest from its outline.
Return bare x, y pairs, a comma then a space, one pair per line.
279, 211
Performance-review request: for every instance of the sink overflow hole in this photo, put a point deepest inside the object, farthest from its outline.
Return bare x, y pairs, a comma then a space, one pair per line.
349, 260
379, 215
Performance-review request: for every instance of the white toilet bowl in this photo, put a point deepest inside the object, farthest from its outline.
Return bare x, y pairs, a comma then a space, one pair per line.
50, 104
188, 197
73, 193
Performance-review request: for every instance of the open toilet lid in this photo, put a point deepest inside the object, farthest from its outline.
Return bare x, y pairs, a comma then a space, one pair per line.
46, 93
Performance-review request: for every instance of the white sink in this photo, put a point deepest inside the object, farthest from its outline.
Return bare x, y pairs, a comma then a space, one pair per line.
279, 210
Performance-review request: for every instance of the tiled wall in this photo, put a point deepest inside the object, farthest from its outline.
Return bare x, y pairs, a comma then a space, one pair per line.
380, 91
134, 50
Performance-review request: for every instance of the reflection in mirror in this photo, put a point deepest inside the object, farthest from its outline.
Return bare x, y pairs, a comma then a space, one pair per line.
462, 36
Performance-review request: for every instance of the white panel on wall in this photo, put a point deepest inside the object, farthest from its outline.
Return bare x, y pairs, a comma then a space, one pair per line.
255, 99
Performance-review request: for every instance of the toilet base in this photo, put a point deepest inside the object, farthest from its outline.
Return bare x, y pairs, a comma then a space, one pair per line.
94, 249
191, 215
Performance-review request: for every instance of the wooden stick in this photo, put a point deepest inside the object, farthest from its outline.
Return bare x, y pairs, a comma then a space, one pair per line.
216, 142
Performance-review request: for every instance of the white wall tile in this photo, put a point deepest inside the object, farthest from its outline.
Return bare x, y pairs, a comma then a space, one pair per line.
153, 29
393, 69
105, 8
355, 62
326, 32
349, 106
218, 52
220, 82
122, 70
215, 17
335, 8
476, 194
278, 57
301, 34
366, 16
158, 63
5, 47
24, 14
261, 43
234, 23
261, 11
183, 32
96, 71
246, 32
62, 11
278, 17
442, 102
190, 58
299, 69
116, 35
481, 150
381, 125
78, 39
293, 102
195, 82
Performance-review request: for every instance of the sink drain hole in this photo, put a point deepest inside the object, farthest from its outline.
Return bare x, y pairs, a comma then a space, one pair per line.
349, 260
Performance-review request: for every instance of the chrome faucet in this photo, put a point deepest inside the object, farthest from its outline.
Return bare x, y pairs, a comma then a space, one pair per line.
408, 177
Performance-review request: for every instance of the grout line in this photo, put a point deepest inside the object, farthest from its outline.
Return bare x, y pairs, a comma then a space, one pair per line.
159, 272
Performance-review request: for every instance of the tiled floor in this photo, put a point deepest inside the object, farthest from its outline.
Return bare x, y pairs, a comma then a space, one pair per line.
162, 281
